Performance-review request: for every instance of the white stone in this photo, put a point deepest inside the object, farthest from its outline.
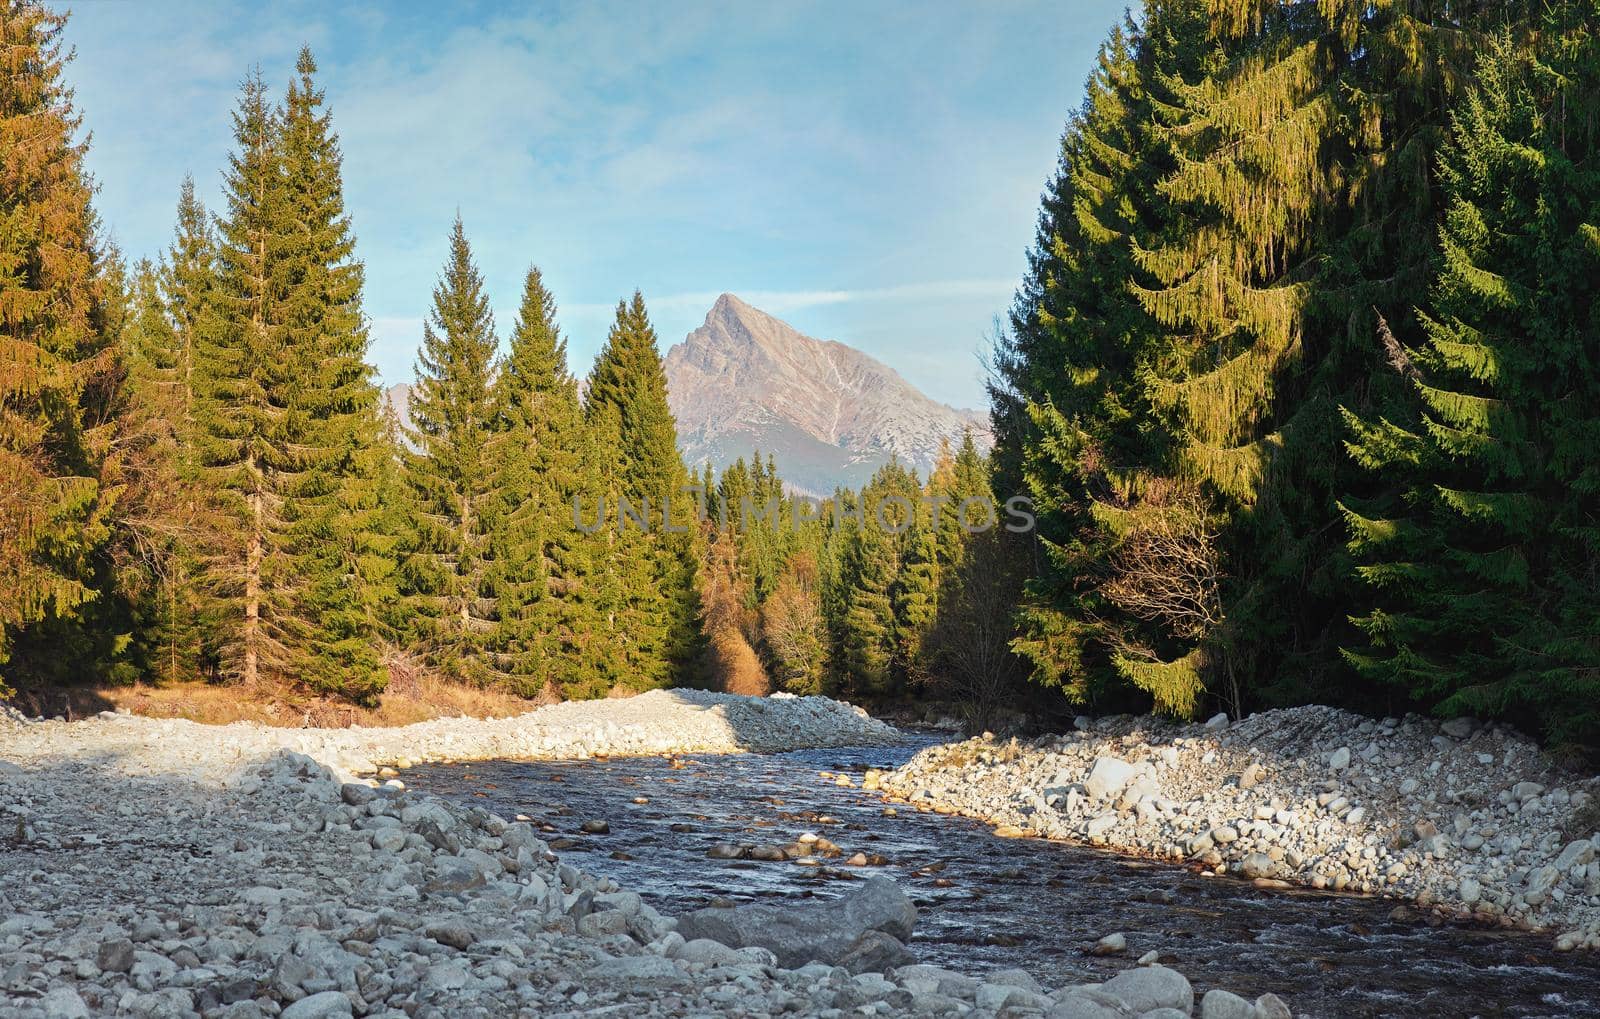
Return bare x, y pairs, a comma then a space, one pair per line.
63, 1003
1151, 987
1576, 854
323, 1005
1111, 944
1220, 1004
1107, 777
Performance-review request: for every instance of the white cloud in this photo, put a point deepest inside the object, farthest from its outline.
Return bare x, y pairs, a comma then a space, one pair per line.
779, 302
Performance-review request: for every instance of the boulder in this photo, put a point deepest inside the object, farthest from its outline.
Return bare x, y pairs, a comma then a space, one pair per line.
1540, 882
1220, 1004
323, 1005
1576, 854
638, 971
63, 1003
1251, 776
1257, 865
356, 794
452, 874
875, 952
707, 953
1111, 944
822, 931
1107, 777
1088, 1002
115, 955
1151, 987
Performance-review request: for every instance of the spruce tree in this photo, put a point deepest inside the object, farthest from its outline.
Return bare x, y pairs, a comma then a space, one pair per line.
243, 376
628, 376
288, 412
654, 606
339, 548
544, 565
60, 374
173, 312
1301, 223
1075, 429
1483, 570
453, 422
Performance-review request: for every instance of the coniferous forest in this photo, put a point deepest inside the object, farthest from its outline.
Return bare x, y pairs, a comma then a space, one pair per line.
1303, 384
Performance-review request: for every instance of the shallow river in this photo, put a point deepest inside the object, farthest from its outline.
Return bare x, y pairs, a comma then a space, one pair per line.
987, 902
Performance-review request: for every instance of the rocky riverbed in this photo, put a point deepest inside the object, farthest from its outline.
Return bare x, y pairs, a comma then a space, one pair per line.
658, 722
162, 869
1462, 817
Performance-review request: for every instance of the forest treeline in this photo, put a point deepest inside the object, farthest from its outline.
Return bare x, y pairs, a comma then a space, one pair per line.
1301, 382
202, 479
1303, 375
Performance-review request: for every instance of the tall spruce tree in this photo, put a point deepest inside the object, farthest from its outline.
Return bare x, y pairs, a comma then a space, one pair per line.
173, 313
1305, 217
1075, 427
243, 376
541, 456
453, 423
339, 546
654, 608
288, 412
60, 373
1484, 568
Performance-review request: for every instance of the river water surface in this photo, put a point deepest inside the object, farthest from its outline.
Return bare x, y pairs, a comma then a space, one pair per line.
987, 902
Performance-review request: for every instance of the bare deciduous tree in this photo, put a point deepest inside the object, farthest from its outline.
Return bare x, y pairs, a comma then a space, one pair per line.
1167, 570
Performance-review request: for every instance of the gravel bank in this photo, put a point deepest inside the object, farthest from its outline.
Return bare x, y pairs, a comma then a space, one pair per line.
163, 869
1459, 816
658, 722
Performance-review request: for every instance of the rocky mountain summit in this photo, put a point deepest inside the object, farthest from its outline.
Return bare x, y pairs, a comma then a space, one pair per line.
829, 413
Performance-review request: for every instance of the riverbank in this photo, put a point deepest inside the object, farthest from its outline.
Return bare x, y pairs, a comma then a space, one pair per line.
1461, 817
166, 869
658, 722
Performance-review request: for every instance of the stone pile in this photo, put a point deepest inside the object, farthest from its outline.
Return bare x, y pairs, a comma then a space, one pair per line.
1465, 817
171, 872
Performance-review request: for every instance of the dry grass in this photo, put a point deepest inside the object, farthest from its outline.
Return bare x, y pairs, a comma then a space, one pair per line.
410, 697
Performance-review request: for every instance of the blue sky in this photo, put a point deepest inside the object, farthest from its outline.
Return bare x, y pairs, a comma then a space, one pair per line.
869, 172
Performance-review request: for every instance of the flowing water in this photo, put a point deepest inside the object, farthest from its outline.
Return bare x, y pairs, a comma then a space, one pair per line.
987, 902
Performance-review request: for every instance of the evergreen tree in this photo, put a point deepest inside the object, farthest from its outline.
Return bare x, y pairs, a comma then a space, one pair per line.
541, 456
879, 602
1075, 428
60, 374
1484, 569
339, 546
173, 313
288, 412
654, 610
628, 377
243, 374
453, 423
1300, 214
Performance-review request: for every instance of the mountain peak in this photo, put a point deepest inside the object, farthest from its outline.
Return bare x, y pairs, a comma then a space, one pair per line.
830, 413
